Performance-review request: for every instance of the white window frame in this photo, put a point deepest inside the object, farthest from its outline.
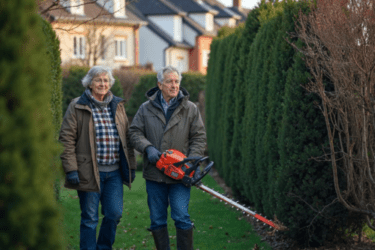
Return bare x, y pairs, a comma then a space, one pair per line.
121, 46
79, 47
205, 57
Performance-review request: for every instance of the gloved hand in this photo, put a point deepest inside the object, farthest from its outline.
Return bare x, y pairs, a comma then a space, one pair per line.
153, 155
133, 174
72, 177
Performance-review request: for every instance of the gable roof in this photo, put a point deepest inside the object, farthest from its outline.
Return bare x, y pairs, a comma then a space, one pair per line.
167, 7
223, 12
92, 12
155, 28
190, 6
154, 7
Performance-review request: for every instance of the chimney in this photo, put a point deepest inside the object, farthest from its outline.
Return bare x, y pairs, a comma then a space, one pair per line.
237, 3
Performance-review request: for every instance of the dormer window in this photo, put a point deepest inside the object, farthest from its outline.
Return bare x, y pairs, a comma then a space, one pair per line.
115, 7
119, 8
206, 20
75, 7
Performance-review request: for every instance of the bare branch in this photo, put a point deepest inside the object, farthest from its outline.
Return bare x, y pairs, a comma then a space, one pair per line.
339, 50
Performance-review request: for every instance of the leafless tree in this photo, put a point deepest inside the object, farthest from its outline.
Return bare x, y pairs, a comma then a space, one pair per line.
340, 53
97, 44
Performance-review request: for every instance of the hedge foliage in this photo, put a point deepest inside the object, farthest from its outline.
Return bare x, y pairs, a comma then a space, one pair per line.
55, 81
193, 82
264, 128
29, 212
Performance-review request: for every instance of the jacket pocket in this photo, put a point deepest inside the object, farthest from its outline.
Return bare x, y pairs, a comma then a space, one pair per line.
85, 172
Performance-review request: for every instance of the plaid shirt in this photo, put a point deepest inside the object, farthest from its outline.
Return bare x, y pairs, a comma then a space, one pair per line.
107, 137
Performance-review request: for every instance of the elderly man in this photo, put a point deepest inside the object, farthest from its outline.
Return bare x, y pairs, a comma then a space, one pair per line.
168, 120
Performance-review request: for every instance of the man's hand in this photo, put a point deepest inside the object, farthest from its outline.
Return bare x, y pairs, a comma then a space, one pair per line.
72, 177
153, 155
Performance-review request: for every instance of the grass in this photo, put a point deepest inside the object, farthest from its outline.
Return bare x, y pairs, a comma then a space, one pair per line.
217, 226
369, 232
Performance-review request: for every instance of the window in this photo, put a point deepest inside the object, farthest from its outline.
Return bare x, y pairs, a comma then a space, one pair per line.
79, 47
120, 48
205, 57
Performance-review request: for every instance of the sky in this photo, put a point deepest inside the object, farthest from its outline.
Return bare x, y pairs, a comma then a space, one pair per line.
248, 4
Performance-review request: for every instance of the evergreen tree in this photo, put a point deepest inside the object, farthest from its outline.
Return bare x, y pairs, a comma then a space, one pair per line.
227, 103
30, 218
245, 42
209, 96
281, 61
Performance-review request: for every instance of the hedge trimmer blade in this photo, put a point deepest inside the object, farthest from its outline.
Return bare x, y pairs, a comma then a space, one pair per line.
235, 204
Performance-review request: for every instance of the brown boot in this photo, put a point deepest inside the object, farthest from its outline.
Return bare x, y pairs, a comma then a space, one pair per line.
161, 238
184, 239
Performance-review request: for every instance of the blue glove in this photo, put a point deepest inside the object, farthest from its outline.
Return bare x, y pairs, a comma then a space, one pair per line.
153, 155
133, 174
72, 177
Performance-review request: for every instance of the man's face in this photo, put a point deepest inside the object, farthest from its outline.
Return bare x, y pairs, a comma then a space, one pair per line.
170, 86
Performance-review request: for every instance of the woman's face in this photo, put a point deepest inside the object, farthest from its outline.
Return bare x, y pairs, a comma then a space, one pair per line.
100, 86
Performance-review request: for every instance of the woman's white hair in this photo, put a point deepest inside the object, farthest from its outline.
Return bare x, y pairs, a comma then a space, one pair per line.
167, 70
94, 72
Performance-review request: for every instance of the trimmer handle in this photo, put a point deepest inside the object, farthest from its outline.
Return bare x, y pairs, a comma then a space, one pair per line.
203, 174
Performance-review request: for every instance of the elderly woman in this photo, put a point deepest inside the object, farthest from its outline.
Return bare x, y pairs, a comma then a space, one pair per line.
97, 156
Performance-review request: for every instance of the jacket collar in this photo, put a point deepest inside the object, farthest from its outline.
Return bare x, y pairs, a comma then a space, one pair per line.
84, 100
152, 94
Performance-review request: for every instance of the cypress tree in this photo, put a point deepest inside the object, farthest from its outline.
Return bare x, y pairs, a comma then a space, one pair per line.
249, 175
281, 61
227, 103
209, 96
244, 43
30, 218
216, 107
268, 37
255, 81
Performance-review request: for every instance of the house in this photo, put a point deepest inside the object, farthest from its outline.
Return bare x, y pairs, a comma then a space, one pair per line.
102, 32
180, 32
237, 9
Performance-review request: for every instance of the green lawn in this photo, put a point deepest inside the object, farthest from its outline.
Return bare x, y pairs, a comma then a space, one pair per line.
217, 226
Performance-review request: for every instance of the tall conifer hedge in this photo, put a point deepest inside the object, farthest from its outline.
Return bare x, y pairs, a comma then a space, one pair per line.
263, 127
29, 213
55, 84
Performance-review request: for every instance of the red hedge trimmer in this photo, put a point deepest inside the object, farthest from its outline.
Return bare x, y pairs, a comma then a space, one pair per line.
177, 166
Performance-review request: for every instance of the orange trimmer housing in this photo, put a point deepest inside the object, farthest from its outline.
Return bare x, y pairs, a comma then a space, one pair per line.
170, 164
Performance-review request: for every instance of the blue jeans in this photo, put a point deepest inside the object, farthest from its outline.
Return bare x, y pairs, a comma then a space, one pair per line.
159, 196
111, 198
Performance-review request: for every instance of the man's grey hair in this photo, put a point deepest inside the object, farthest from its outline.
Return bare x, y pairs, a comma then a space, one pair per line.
96, 71
167, 70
